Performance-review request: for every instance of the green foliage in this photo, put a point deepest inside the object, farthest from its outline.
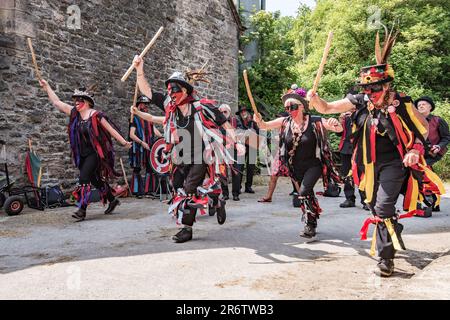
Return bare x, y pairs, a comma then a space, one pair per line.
270, 75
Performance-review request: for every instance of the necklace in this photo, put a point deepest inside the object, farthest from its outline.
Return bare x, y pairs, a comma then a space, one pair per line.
187, 123
296, 139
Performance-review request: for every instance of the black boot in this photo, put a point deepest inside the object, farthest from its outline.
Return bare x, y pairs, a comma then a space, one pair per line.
386, 267
221, 213
185, 234
347, 204
112, 205
365, 206
309, 231
236, 197
436, 208
249, 190
79, 215
211, 210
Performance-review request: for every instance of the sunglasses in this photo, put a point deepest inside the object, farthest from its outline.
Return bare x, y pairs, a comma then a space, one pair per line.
174, 88
78, 99
373, 88
292, 107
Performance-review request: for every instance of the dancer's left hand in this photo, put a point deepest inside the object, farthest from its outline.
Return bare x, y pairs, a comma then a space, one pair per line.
333, 122
127, 145
411, 158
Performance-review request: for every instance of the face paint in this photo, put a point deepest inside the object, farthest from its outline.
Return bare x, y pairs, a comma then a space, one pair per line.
143, 107
375, 92
176, 93
80, 104
293, 109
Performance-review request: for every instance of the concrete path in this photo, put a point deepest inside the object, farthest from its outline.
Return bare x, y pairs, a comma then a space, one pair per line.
256, 254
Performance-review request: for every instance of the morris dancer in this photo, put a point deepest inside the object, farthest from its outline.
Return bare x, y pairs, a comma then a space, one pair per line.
90, 133
389, 138
195, 145
305, 150
143, 134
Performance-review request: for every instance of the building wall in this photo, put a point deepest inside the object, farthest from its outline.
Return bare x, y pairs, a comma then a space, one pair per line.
100, 52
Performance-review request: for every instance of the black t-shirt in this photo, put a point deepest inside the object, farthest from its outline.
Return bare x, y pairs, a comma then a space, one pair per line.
186, 127
86, 147
385, 149
305, 153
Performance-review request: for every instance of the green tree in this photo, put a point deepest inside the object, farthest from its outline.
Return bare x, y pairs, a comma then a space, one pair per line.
271, 74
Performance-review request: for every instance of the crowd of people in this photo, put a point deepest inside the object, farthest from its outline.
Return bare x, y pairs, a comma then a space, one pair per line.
388, 147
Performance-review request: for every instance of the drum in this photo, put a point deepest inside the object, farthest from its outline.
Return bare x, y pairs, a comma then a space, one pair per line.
158, 160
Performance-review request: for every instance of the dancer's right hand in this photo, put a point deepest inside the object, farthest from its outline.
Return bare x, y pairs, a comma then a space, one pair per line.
44, 84
313, 98
133, 110
138, 63
257, 118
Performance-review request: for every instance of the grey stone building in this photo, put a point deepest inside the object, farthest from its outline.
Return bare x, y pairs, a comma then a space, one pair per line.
83, 42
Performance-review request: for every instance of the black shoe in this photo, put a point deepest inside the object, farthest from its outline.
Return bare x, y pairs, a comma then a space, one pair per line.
365, 207
386, 267
221, 213
292, 193
140, 196
236, 198
112, 205
183, 235
309, 231
249, 190
226, 197
347, 204
79, 215
436, 209
211, 211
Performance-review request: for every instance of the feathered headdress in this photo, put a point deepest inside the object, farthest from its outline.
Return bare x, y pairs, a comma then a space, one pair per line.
382, 72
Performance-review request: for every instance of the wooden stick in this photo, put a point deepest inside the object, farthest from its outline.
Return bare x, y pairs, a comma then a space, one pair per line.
33, 58
323, 62
143, 53
29, 145
125, 176
136, 89
249, 93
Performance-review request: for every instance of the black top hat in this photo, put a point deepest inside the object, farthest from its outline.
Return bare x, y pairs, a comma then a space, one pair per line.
242, 108
83, 93
427, 99
177, 77
143, 99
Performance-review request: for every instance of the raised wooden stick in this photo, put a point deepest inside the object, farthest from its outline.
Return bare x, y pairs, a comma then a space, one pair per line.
29, 145
136, 89
33, 58
249, 93
143, 53
323, 62
125, 176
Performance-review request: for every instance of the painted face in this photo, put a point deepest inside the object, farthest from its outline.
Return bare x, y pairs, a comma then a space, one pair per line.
143, 107
226, 113
293, 107
176, 93
80, 104
424, 107
375, 92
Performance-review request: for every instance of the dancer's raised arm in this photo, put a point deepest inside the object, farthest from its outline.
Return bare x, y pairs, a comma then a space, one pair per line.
62, 106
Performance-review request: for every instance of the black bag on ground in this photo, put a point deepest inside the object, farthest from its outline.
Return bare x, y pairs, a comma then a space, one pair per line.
54, 197
333, 190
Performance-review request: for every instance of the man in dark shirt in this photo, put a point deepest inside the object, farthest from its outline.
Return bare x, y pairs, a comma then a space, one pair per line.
194, 144
346, 151
246, 123
438, 135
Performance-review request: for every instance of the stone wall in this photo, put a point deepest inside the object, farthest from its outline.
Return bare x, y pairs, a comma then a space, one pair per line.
100, 52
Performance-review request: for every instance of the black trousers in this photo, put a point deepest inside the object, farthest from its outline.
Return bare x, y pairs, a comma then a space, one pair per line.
189, 177
250, 165
88, 175
388, 181
349, 186
307, 178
